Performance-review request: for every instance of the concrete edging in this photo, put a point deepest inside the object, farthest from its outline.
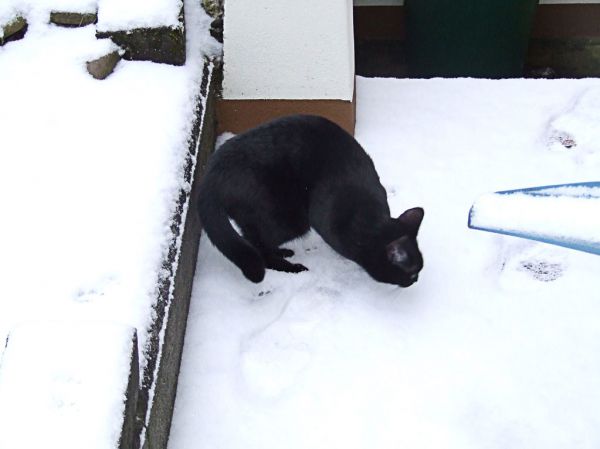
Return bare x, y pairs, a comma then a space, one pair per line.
166, 335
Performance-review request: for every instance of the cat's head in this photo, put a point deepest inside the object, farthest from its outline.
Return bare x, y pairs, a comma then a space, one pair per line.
399, 260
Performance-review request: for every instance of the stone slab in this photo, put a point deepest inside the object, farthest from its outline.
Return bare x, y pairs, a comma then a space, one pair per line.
103, 66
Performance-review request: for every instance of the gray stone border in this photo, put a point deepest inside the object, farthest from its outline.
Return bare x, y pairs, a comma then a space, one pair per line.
128, 436
166, 335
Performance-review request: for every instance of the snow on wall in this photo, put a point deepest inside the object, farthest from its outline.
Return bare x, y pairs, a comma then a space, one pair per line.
288, 49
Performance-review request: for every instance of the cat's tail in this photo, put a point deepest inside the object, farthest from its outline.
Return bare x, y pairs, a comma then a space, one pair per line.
222, 234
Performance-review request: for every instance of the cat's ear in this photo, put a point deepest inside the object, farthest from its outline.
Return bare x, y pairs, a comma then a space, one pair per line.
412, 218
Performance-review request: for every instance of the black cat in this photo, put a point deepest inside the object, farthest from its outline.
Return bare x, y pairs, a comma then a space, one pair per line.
280, 179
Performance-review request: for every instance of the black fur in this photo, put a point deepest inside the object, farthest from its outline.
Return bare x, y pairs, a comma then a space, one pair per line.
278, 180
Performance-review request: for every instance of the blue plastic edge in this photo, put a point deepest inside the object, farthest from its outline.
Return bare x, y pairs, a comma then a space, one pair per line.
535, 189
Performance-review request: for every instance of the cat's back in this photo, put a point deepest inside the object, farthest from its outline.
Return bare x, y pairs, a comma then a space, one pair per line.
292, 140
296, 155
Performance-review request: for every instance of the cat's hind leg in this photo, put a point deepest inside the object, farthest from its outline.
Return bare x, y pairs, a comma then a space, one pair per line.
266, 238
275, 258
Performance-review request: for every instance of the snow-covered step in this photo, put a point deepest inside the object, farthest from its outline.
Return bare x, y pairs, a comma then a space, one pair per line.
138, 271
69, 385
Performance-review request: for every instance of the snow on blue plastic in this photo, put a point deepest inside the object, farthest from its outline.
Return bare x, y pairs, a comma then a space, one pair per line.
566, 215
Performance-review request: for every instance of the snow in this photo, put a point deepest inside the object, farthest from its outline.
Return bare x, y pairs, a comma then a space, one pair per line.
113, 15
55, 375
498, 343
8, 12
90, 174
579, 120
117, 15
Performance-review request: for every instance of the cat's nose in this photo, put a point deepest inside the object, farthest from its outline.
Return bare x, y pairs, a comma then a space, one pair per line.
414, 277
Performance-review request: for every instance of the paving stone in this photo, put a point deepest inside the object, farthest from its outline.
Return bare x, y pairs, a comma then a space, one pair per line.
73, 19
102, 67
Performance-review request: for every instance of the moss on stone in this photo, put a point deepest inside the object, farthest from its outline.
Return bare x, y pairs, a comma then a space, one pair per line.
214, 8
13, 30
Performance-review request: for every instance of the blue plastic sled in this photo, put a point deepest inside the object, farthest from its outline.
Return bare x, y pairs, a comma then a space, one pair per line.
588, 191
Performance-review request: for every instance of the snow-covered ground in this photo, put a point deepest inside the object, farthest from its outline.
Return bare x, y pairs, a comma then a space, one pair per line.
496, 346
90, 174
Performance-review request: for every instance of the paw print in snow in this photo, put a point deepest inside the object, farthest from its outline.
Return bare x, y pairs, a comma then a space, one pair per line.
566, 140
524, 263
542, 270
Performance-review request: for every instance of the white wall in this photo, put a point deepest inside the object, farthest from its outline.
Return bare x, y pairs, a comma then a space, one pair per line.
288, 49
